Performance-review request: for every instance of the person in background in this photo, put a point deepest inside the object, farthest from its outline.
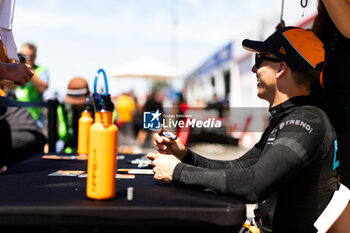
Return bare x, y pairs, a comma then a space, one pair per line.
182, 106
137, 120
153, 103
68, 114
332, 91
292, 171
217, 105
33, 90
20, 137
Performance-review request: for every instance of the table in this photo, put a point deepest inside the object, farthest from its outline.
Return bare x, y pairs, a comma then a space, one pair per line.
30, 199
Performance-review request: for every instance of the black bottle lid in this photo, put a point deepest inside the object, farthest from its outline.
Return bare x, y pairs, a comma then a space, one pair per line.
97, 102
88, 105
106, 103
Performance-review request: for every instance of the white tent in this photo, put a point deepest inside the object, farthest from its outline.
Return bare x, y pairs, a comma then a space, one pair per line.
145, 67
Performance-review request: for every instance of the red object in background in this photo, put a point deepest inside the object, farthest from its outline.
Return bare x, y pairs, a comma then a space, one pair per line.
183, 133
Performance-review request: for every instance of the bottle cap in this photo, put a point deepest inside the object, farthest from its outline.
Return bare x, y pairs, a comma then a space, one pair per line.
97, 102
88, 105
106, 102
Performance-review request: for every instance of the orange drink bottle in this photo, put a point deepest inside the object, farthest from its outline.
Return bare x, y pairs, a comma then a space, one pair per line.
102, 156
84, 124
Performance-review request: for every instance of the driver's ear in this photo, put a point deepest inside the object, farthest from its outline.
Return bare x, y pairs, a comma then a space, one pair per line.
281, 69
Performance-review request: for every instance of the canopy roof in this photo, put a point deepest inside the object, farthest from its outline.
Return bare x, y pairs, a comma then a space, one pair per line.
145, 67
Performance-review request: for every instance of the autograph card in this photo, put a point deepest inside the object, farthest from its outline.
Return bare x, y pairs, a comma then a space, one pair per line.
73, 157
65, 157
125, 176
66, 173
118, 176
136, 171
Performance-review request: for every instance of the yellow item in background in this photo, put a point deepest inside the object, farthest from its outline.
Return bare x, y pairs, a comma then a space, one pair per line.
125, 107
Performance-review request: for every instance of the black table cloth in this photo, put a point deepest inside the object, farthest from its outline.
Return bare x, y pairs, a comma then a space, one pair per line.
30, 199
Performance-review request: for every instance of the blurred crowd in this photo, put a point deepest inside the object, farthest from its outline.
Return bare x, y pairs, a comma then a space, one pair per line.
127, 115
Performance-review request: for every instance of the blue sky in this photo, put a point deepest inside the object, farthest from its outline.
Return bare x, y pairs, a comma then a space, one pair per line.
76, 37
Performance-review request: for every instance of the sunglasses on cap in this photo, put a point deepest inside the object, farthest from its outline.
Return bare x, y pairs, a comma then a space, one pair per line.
259, 58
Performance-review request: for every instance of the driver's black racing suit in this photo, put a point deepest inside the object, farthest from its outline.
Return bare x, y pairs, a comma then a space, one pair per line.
291, 172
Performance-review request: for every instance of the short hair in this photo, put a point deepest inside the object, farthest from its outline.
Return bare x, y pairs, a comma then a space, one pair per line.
31, 46
302, 79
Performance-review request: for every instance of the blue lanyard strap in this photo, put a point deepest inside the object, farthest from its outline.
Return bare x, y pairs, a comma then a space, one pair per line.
105, 78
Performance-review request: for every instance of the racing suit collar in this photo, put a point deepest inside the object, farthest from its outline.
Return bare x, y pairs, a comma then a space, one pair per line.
294, 101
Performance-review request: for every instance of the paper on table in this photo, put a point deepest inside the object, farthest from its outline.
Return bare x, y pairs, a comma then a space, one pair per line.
73, 157
136, 171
